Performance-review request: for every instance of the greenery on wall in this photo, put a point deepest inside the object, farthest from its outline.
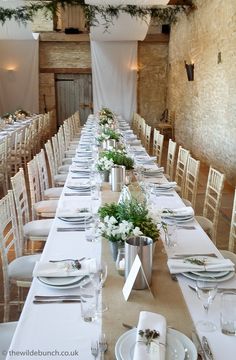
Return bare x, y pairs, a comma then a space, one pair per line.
161, 15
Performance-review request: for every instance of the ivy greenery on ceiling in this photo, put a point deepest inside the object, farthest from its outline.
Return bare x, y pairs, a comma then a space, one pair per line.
160, 15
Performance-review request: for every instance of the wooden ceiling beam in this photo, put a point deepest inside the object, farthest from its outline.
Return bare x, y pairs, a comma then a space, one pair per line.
180, 2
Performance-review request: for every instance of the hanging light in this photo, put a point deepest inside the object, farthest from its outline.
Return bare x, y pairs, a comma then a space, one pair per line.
127, 2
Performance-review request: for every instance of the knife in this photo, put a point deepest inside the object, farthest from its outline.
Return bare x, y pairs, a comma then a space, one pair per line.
78, 194
192, 255
206, 348
61, 297
70, 229
163, 194
198, 345
219, 290
60, 301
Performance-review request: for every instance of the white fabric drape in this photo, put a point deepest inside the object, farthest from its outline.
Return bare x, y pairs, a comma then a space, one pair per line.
19, 81
19, 67
114, 68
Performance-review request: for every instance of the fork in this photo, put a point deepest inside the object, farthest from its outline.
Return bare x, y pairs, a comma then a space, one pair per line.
102, 345
94, 349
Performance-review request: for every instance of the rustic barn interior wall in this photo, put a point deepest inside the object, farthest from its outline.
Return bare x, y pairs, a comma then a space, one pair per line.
206, 107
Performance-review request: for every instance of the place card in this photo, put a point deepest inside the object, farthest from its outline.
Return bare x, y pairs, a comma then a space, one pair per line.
128, 286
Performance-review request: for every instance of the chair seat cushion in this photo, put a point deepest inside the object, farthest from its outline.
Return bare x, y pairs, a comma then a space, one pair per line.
229, 255
46, 208
6, 334
206, 224
60, 179
178, 189
187, 202
38, 229
22, 267
53, 193
70, 153
67, 160
64, 169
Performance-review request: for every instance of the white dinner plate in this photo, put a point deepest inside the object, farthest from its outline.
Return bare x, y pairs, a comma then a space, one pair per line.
176, 343
79, 188
219, 279
76, 282
74, 220
207, 274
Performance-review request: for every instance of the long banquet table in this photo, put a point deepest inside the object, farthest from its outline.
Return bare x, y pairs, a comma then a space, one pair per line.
58, 328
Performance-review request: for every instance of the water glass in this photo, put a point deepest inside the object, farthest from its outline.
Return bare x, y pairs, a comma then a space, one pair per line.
91, 228
95, 192
228, 313
206, 292
171, 233
88, 306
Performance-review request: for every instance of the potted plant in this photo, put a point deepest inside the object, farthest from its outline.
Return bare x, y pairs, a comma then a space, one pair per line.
118, 221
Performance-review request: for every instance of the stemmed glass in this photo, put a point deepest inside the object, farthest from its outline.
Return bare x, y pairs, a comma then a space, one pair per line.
206, 291
170, 233
98, 278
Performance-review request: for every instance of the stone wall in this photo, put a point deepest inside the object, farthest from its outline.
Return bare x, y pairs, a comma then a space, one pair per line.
206, 107
152, 64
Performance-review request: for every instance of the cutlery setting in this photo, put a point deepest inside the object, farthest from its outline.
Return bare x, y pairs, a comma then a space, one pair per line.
219, 289
57, 301
61, 229
61, 297
99, 347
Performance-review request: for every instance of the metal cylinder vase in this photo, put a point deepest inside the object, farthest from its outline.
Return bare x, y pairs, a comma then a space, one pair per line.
117, 177
141, 246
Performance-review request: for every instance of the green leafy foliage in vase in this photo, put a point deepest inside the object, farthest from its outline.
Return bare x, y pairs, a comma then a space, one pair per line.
119, 157
108, 134
133, 212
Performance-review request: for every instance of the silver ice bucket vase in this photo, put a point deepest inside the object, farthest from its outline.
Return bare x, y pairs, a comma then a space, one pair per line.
141, 246
117, 177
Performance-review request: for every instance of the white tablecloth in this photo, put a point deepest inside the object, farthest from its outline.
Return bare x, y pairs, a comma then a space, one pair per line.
59, 327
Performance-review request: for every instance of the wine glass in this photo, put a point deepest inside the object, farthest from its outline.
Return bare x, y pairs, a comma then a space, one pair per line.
98, 278
206, 292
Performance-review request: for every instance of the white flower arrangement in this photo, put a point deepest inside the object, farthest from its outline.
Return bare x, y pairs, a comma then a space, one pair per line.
104, 164
113, 230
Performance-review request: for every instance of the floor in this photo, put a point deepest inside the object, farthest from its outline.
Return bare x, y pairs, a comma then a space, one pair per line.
223, 226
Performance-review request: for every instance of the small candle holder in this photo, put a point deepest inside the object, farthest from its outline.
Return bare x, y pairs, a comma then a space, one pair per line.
120, 261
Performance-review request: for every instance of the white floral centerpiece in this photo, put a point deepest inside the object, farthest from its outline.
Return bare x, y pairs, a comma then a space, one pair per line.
117, 231
118, 221
106, 117
104, 164
108, 134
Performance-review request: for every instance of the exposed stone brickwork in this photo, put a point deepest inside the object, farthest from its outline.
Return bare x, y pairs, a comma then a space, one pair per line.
65, 55
152, 81
206, 108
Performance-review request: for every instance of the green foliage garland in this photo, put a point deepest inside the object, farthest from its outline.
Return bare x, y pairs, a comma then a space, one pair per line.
161, 15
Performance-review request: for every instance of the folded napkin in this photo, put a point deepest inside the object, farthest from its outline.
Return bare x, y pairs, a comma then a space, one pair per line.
60, 269
152, 321
134, 142
82, 184
168, 185
76, 213
179, 212
83, 169
153, 170
210, 264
